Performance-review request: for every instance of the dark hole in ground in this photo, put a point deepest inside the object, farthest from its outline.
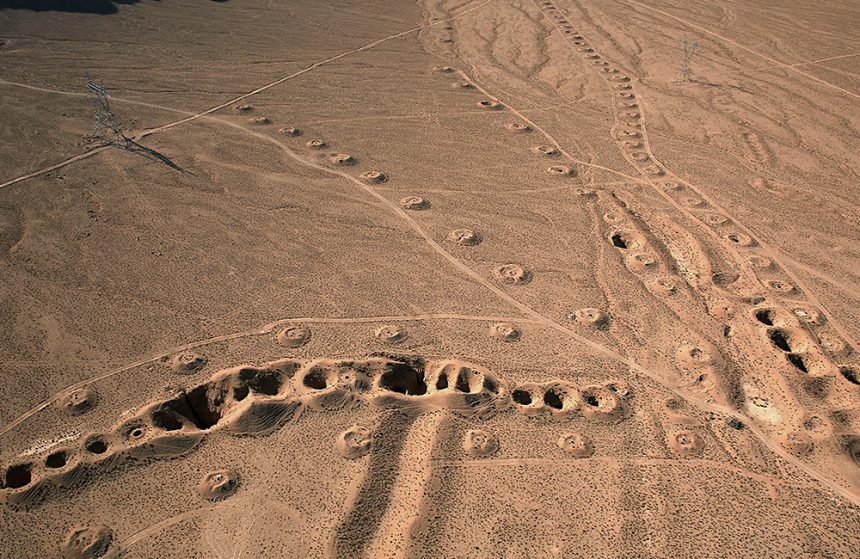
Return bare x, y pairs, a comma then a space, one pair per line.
490, 385
618, 240
797, 361
316, 379
241, 392
18, 476
522, 397
850, 375
765, 316
266, 381
442, 381
553, 399
203, 405
403, 379
462, 384
56, 460
166, 418
96, 446
780, 340
592, 400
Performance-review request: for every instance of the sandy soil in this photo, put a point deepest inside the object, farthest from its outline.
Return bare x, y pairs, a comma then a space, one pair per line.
472, 278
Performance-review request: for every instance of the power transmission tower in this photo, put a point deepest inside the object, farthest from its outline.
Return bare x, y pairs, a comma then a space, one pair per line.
107, 129
105, 125
690, 48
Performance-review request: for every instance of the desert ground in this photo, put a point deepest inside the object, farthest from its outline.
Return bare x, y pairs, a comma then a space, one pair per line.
434, 279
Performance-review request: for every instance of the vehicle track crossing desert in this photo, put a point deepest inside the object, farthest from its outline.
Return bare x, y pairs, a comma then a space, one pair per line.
442, 279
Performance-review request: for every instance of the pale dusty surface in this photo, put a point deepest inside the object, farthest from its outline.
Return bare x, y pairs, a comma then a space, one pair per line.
447, 279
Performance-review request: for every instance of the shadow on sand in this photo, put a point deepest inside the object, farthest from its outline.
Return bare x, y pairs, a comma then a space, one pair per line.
100, 7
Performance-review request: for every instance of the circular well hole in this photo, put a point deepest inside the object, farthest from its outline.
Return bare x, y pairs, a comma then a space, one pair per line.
18, 476
522, 397
96, 446
57, 459
553, 399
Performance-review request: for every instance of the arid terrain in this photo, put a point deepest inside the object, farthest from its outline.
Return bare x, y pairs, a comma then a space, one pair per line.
436, 279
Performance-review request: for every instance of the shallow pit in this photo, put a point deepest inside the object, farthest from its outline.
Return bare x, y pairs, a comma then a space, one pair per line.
780, 339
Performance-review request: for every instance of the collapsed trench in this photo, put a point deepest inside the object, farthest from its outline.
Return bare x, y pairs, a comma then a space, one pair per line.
850, 375
765, 316
797, 361
780, 339
619, 241
204, 405
404, 379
